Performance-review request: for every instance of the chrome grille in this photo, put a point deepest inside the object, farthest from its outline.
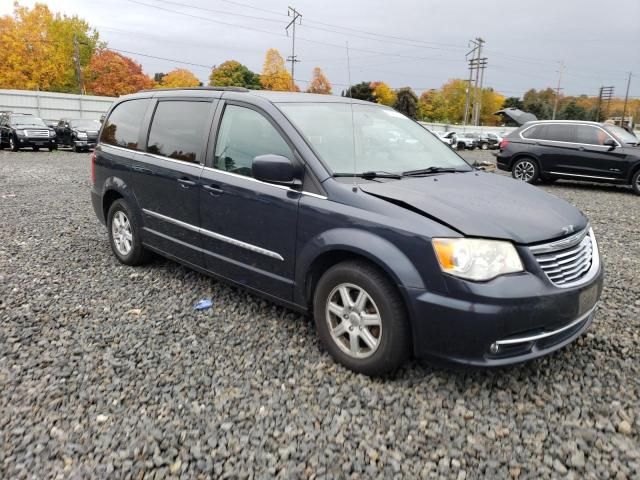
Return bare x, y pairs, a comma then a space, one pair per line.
37, 133
568, 260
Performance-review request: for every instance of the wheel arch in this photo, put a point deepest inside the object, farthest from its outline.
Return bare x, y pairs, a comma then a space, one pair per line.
340, 245
632, 171
520, 156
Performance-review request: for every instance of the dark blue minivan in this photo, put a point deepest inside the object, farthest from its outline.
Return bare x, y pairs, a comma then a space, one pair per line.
353, 213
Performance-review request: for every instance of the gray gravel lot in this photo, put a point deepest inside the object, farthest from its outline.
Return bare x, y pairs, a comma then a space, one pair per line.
106, 371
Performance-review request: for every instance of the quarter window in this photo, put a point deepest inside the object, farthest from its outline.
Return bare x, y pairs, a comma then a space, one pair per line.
536, 132
243, 135
178, 130
122, 128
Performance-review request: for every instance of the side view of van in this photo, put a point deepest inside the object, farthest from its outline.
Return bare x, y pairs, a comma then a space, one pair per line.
353, 213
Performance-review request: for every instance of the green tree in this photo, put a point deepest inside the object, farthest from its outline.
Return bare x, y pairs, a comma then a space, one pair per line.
406, 102
513, 102
540, 103
573, 111
361, 91
234, 74
432, 106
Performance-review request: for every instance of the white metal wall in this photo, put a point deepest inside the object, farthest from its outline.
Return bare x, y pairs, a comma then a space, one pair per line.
51, 105
442, 127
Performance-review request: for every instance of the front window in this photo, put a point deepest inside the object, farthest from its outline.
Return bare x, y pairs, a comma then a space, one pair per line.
27, 122
372, 138
622, 135
86, 124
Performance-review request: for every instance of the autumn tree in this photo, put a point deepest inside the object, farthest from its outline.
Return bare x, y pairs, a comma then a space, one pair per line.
361, 91
37, 49
539, 102
234, 74
406, 102
432, 106
319, 83
112, 74
179, 78
383, 93
274, 74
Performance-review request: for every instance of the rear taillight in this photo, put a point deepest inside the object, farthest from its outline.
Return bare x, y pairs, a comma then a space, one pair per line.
503, 143
93, 167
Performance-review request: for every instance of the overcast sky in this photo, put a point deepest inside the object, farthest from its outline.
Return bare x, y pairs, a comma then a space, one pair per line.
417, 43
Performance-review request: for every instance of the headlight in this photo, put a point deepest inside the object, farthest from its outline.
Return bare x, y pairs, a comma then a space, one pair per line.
82, 135
476, 259
21, 133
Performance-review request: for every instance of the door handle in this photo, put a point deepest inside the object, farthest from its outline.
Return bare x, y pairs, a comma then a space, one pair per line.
186, 183
213, 190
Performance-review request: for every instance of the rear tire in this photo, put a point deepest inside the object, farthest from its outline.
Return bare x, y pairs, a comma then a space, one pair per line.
370, 336
526, 169
124, 235
635, 183
36, 149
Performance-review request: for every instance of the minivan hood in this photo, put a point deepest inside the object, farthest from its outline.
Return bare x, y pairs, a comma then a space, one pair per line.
480, 204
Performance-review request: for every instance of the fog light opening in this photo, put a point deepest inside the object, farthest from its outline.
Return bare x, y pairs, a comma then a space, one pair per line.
494, 348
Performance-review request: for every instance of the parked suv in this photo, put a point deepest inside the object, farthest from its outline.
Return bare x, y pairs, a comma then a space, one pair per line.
299, 198
20, 130
79, 133
571, 150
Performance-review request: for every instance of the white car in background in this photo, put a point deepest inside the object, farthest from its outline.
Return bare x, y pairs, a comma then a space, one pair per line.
449, 138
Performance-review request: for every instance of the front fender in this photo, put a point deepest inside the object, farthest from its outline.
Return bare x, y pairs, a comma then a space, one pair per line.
366, 244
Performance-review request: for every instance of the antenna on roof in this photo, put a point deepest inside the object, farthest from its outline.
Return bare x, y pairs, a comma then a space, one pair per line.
353, 123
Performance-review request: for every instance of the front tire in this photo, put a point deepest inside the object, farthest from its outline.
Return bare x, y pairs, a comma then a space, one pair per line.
361, 319
13, 145
124, 235
484, 146
635, 183
526, 169
36, 149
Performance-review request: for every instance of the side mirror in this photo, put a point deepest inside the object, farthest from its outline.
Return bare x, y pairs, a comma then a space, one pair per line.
274, 169
611, 143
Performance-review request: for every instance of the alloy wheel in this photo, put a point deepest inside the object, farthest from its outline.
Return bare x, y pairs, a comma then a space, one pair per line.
122, 233
354, 320
524, 170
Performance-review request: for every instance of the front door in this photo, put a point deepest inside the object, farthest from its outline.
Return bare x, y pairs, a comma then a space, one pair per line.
166, 176
248, 227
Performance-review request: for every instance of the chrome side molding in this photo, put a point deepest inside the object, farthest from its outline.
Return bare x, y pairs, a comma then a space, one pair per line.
217, 236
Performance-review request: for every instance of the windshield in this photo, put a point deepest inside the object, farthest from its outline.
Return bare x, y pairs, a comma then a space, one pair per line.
27, 121
385, 140
88, 124
622, 135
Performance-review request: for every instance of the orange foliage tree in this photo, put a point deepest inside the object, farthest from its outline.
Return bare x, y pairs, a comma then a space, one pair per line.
319, 83
179, 78
274, 74
112, 74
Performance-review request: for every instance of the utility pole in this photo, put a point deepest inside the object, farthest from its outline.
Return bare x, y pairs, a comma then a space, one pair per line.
477, 62
467, 102
297, 16
76, 60
626, 99
482, 64
555, 104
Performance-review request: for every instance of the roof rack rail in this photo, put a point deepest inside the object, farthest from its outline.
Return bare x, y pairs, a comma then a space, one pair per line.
227, 89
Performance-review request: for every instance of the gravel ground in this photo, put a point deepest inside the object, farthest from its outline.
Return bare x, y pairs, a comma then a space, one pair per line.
106, 371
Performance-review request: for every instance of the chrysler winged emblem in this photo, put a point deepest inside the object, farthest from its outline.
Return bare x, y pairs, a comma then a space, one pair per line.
567, 230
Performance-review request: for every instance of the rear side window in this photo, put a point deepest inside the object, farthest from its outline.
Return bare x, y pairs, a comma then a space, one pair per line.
178, 130
562, 133
243, 135
122, 128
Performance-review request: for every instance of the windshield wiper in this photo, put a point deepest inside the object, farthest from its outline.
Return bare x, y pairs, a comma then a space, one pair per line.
370, 175
427, 171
